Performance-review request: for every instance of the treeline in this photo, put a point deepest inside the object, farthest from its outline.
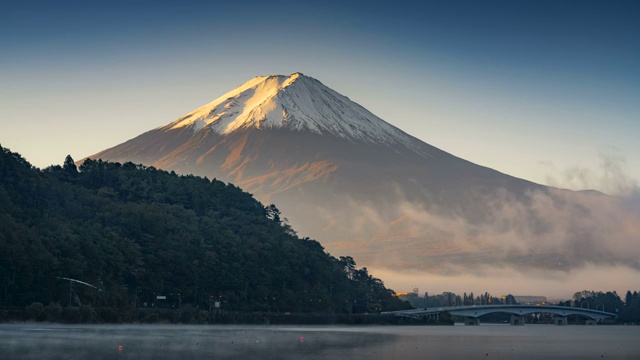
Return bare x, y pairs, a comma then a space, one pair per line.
452, 299
149, 238
628, 311
87, 314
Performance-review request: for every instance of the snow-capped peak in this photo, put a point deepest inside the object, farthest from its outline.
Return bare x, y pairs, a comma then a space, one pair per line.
295, 102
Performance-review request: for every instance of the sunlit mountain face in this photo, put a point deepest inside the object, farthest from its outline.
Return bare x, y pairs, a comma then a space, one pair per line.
367, 189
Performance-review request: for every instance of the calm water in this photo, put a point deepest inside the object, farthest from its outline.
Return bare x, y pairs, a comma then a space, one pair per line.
54, 341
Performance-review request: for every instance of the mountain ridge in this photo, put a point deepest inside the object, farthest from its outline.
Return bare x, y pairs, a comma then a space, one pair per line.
392, 200
296, 102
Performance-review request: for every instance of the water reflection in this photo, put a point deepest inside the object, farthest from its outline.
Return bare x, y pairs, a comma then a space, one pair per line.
51, 341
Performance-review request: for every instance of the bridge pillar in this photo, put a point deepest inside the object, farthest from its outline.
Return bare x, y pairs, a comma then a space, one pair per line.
471, 321
560, 320
517, 320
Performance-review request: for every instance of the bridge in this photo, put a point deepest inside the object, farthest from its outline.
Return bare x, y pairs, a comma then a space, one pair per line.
473, 312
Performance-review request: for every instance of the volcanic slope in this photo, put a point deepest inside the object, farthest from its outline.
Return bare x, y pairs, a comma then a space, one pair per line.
361, 186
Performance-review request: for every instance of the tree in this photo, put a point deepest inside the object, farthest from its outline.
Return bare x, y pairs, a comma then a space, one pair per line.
273, 213
349, 266
69, 165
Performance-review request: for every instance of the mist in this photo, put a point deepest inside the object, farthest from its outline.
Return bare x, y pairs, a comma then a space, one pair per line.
556, 285
550, 242
610, 177
63, 341
70, 342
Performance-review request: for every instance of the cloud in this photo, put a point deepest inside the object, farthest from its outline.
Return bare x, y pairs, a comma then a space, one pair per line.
609, 178
548, 235
550, 229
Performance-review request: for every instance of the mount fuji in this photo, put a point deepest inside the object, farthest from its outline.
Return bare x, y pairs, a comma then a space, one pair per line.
365, 188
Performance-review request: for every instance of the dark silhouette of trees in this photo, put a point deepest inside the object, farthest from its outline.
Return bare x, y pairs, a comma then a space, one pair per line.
69, 165
597, 300
138, 232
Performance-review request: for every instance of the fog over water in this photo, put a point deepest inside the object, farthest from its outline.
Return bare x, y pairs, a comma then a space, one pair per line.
56, 341
556, 285
558, 243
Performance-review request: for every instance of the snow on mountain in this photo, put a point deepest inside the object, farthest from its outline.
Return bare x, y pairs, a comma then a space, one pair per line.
295, 102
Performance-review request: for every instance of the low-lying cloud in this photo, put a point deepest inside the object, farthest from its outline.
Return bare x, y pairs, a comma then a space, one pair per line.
509, 280
543, 241
610, 177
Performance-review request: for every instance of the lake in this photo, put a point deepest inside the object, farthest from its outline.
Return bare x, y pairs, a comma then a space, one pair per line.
57, 341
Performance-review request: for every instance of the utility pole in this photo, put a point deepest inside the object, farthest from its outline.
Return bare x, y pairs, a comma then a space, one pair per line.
195, 292
9, 282
195, 297
70, 291
246, 294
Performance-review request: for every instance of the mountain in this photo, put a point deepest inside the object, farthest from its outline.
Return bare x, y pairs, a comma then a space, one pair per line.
361, 186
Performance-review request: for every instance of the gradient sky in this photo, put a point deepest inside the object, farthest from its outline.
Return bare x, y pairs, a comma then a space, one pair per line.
544, 90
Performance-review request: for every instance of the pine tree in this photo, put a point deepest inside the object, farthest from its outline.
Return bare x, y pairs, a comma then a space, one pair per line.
69, 165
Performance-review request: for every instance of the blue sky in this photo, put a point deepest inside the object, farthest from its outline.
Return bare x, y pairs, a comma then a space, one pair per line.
544, 90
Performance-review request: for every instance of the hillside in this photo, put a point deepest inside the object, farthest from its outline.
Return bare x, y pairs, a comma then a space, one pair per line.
137, 232
363, 187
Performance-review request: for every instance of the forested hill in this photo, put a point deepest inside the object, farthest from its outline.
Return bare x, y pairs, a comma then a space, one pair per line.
137, 232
